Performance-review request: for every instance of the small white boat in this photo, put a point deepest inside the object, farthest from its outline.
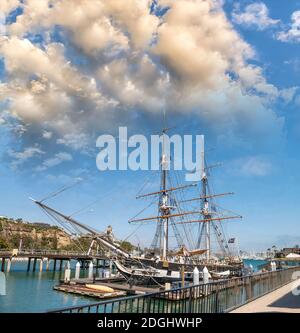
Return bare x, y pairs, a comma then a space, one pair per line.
98, 287
220, 275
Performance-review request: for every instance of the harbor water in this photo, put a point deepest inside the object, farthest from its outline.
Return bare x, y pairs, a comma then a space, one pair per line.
255, 263
33, 291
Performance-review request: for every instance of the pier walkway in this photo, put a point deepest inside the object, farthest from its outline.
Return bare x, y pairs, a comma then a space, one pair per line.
281, 300
38, 258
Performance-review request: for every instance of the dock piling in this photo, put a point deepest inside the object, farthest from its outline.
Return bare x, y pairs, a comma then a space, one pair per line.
34, 264
97, 266
77, 270
205, 275
28, 264
91, 270
47, 264
60, 265
3, 265
196, 276
8, 267
67, 275
41, 265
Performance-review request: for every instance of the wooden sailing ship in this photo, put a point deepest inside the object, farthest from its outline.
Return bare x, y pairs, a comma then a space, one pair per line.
164, 265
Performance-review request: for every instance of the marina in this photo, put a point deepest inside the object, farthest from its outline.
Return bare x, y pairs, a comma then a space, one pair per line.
193, 277
149, 162
159, 265
116, 295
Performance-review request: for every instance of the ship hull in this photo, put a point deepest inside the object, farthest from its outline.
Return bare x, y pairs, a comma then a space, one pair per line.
150, 272
235, 269
147, 276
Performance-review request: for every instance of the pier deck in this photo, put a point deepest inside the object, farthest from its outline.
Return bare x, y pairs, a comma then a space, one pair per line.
280, 300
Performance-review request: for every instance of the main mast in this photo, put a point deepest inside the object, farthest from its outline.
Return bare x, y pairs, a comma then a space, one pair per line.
164, 207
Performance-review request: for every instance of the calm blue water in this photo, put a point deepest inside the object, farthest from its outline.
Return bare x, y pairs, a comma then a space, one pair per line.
254, 262
33, 292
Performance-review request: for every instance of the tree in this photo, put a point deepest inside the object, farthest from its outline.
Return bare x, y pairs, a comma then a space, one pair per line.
3, 244
127, 246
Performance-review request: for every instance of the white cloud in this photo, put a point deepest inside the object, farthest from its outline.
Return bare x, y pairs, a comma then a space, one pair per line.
254, 15
254, 166
47, 135
130, 62
294, 63
292, 34
288, 94
6, 6
54, 161
77, 141
20, 157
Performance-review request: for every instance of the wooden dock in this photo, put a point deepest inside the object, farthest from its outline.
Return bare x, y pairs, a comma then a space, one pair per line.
131, 290
119, 285
39, 259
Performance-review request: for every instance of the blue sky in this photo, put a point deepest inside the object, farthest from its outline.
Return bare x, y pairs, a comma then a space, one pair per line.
229, 70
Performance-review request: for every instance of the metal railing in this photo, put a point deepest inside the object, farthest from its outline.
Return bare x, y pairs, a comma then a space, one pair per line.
216, 297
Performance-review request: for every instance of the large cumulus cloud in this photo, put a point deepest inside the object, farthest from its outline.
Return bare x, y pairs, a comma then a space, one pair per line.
73, 66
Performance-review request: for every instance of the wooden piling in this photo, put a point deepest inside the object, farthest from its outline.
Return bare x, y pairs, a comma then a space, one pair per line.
41, 265
54, 265
47, 264
8, 267
97, 267
61, 265
3, 265
28, 264
34, 264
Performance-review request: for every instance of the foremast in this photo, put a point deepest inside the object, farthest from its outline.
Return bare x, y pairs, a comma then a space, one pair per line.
205, 209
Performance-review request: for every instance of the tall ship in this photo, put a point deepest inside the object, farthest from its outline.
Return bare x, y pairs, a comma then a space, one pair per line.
177, 218
196, 224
